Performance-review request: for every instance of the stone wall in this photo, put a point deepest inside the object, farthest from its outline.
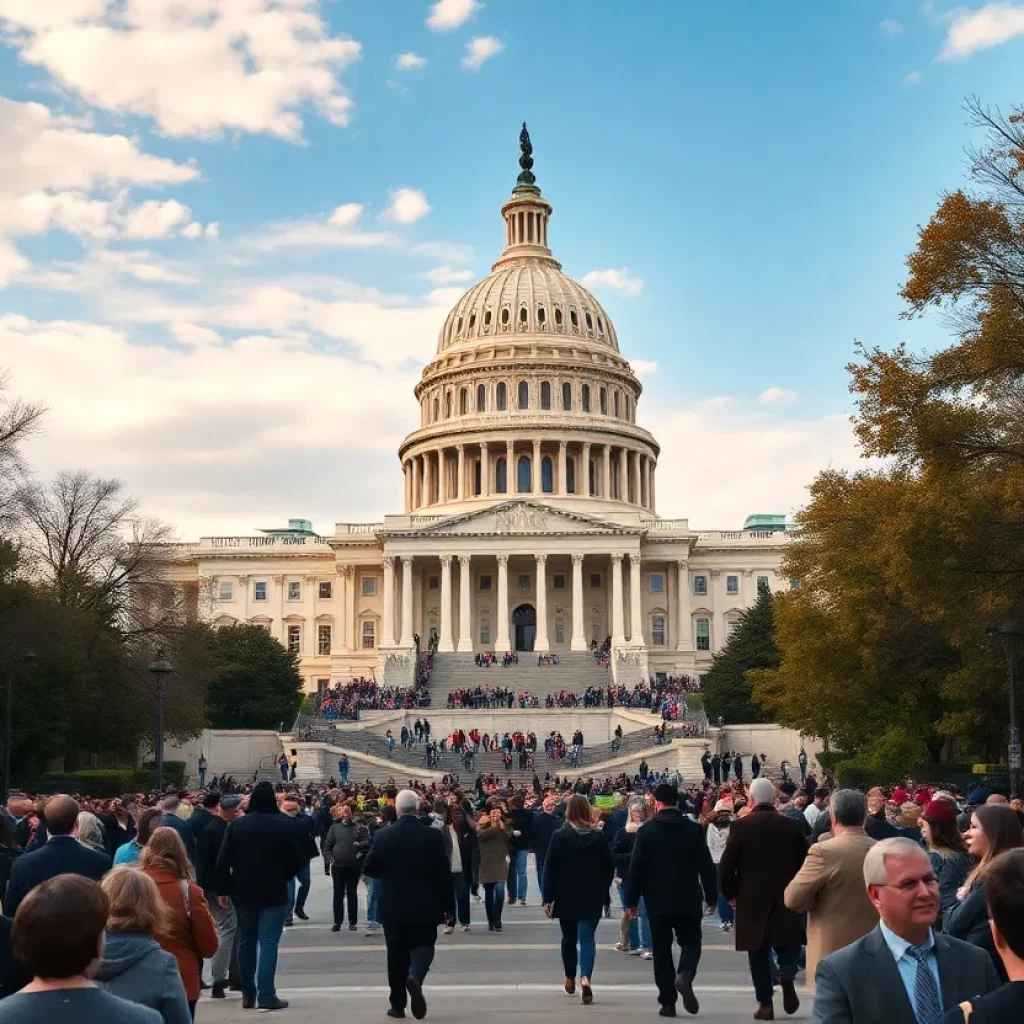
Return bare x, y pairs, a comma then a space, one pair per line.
238, 752
776, 743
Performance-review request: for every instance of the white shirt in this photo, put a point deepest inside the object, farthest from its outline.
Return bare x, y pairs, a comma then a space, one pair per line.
812, 813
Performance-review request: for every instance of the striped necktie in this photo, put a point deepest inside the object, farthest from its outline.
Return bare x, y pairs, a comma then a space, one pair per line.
928, 1004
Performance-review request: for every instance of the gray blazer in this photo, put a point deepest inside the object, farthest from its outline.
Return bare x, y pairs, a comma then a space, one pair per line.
861, 984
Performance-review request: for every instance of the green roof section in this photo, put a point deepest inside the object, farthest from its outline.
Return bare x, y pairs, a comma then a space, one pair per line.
295, 528
766, 521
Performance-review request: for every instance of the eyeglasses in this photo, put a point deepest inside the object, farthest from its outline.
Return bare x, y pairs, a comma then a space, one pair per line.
909, 885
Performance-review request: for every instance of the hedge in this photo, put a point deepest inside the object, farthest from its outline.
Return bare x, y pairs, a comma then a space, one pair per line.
106, 782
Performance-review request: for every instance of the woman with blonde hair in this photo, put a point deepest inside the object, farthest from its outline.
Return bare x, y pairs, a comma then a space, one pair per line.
134, 966
190, 935
578, 872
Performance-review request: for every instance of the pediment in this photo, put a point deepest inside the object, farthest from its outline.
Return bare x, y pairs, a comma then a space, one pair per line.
518, 518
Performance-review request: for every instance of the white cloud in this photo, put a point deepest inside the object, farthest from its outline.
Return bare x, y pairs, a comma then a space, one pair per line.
643, 368
446, 15
914, 78
345, 215
479, 50
982, 28
447, 275
317, 233
407, 205
196, 68
195, 336
890, 27
193, 230
155, 219
621, 280
138, 265
212, 229
410, 62
777, 396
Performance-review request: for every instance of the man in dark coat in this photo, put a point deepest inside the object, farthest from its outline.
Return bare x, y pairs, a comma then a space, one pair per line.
546, 823
62, 854
876, 824
764, 851
716, 769
205, 815
207, 849
670, 866
416, 894
705, 763
169, 805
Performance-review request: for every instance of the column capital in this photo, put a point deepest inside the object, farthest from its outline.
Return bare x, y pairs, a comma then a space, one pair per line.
563, 444
483, 446
502, 560
389, 561
446, 561
406, 560
541, 557
343, 570
464, 559
577, 558
617, 559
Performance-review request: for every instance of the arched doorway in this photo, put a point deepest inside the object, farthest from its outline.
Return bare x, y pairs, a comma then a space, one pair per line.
524, 619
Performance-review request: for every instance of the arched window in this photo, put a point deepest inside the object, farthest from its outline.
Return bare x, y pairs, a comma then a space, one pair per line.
604, 401
585, 397
463, 401
547, 475
600, 326
481, 398
570, 476
524, 478
487, 319
615, 403
504, 317
524, 395
567, 396
573, 318
590, 323
522, 314
501, 476
502, 396
472, 322
448, 406
545, 394
478, 477
436, 410
558, 317
541, 315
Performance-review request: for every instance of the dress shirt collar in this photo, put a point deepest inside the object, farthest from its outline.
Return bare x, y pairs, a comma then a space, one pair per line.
898, 946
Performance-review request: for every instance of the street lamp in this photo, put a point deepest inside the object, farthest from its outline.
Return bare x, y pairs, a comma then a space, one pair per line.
160, 670
28, 657
1008, 632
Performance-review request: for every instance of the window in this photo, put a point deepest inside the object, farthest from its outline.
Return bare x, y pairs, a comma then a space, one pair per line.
585, 397
523, 395
731, 626
700, 584
485, 582
326, 591
369, 586
573, 318
504, 318
559, 581
501, 396
524, 476
615, 403
524, 582
545, 394
259, 591
294, 591
541, 315
322, 684
567, 396
436, 411
225, 590
369, 634
732, 584
558, 317
477, 476
762, 585
702, 629
458, 326
604, 401
595, 581
657, 631
590, 323
433, 582
323, 639
463, 402
472, 322
487, 319
559, 631
600, 326
294, 639
448, 406
501, 477
570, 476
547, 475
485, 632
481, 398
657, 583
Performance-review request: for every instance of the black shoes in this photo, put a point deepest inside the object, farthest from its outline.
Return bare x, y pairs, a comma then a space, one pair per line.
274, 1004
335, 927
398, 1014
417, 1003
301, 914
790, 1000
667, 1011
218, 990
684, 986
352, 926
248, 1003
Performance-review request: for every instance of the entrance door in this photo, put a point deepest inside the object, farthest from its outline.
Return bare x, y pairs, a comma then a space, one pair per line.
524, 618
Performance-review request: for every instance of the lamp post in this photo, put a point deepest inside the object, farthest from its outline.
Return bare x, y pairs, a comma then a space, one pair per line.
27, 657
160, 670
1008, 632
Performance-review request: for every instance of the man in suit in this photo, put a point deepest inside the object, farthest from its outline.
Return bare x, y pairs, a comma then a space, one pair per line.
207, 849
416, 893
669, 867
62, 854
764, 852
169, 805
830, 885
876, 824
205, 815
901, 972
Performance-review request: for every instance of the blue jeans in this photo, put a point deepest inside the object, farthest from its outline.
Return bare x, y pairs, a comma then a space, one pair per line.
634, 923
645, 926
304, 884
461, 885
582, 933
725, 911
517, 875
259, 933
494, 897
371, 900
760, 961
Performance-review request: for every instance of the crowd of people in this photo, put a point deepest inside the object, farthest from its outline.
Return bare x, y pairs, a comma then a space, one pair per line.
344, 701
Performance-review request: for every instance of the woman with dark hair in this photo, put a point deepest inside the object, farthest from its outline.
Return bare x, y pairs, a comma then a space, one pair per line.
947, 851
494, 834
994, 829
10, 851
131, 852
463, 839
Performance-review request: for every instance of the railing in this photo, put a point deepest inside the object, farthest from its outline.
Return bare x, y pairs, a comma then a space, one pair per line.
776, 535
260, 542
669, 524
342, 528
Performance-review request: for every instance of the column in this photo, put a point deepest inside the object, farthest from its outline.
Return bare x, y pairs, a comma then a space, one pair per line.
444, 642
645, 465
541, 643
618, 633
501, 641
417, 482
623, 475
561, 469
510, 467
465, 619
636, 611
654, 491
388, 628
406, 639
536, 475
442, 476
460, 489
684, 641
406, 481
716, 590
583, 473
606, 473
579, 636
428, 478
348, 587
485, 471
636, 479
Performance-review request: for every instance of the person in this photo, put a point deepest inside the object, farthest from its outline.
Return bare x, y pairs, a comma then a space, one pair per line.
12, 975
705, 764
170, 805
716, 835
877, 825
10, 851
816, 807
901, 972
130, 852
259, 854
995, 828
415, 896
207, 849
190, 934
346, 844
459, 846
89, 832
1004, 892
343, 769
386, 819
764, 852
622, 853
62, 854
134, 966
755, 766
522, 821
578, 872
670, 866
282, 766
829, 887
201, 767
291, 806
57, 937
493, 834
204, 815
947, 850
545, 824
802, 762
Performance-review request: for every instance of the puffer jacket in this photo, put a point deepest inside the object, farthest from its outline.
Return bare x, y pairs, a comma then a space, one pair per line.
135, 968
345, 845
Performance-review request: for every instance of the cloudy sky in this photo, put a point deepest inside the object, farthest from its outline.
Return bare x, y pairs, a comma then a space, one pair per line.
230, 229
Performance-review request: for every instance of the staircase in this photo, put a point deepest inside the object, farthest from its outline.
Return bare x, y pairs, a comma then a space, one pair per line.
575, 671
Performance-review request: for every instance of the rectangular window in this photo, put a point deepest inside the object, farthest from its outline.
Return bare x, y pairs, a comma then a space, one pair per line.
322, 684
294, 639
559, 631
323, 639
762, 585
485, 582
703, 632
700, 584
369, 634
369, 587
595, 581
434, 582
559, 581
657, 583
259, 591
485, 632
524, 582
732, 584
657, 631
326, 591
225, 590
294, 591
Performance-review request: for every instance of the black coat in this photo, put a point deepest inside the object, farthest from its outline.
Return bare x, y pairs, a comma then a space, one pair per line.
182, 827
578, 871
968, 920
879, 828
62, 855
259, 855
670, 866
415, 876
12, 975
544, 827
522, 822
1004, 1006
198, 820
7, 858
207, 848
622, 851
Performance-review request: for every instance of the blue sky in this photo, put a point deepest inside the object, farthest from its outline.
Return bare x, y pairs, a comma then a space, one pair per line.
224, 275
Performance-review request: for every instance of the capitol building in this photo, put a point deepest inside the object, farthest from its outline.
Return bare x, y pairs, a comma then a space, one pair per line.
530, 518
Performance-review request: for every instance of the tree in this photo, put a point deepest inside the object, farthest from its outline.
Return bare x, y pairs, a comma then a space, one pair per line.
18, 420
751, 645
254, 681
